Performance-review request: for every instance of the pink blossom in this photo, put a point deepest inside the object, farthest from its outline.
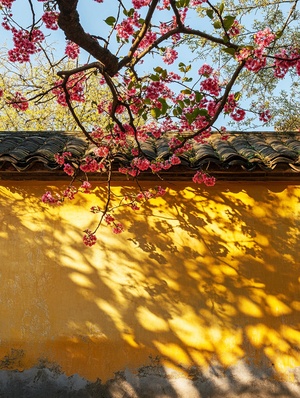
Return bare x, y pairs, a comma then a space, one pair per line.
135, 151
238, 115
148, 39
70, 192
145, 195
264, 37
125, 29
60, 159
108, 218
174, 160
118, 228
195, 3
134, 206
265, 116
256, 64
170, 55
6, 3
50, 19
68, 169
230, 104
235, 29
129, 171
160, 191
201, 177
140, 3
19, 102
75, 89
141, 163
102, 151
211, 85
89, 239
156, 167
90, 166
72, 50
25, 44
205, 70
86, 186
50, 199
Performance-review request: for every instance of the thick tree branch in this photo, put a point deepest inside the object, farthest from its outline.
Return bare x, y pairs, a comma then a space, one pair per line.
69, 22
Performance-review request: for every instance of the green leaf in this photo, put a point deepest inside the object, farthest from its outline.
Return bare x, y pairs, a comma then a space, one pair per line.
221, 9
154, 112
210, 14
229, 50
180, 103
217, 25
198, 96
228, 21
110, 21
237, 95
164, 107
203, 112
155, 78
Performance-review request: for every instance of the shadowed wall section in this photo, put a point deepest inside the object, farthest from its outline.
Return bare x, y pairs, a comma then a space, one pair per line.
201, 279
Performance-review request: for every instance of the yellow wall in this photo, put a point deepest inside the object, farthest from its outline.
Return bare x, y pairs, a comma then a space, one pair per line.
199, 276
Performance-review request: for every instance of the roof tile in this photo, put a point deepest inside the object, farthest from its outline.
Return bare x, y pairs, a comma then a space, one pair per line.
266, 151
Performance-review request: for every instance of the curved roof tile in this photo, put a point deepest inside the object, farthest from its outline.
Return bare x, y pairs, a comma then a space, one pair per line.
266, 151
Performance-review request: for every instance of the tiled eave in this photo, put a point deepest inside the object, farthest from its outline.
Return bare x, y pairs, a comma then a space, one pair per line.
244, 156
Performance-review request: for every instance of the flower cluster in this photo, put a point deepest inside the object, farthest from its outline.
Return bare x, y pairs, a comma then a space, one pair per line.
50, 19
19, 102
235, 29
140, 3
284, 60
201, 177
125, 29
170, 55
256, 58
74, 87
25, 44
50, 199
89, 238
72, 50
6, 3
117, 227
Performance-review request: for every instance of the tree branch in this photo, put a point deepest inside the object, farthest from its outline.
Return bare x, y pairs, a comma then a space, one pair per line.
69, 22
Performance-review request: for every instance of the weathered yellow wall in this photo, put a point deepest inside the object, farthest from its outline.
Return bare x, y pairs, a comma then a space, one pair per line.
200, 276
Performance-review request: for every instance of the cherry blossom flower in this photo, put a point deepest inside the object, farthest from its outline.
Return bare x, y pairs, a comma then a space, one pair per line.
72, 50
265, 116
205, 70
6, 3
89, 239
170, 55
118, 228
50, 199
25, 44
19, 102
50, 19
68, 169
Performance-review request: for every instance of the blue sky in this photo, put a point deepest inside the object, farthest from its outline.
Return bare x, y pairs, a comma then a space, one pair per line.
92, 16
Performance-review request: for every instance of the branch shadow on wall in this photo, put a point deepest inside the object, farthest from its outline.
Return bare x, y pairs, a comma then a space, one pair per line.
203, 284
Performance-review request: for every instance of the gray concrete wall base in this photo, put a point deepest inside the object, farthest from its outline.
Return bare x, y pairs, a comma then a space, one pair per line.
150, 382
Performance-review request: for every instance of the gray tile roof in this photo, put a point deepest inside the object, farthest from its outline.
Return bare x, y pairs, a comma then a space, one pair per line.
265, 152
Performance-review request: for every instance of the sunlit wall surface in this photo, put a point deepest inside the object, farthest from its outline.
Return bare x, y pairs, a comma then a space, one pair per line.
201, 276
